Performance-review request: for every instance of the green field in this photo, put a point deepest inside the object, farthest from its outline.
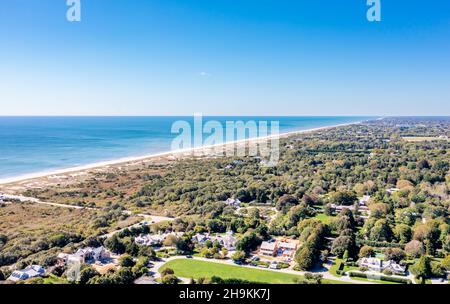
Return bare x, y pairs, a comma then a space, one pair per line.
190, 268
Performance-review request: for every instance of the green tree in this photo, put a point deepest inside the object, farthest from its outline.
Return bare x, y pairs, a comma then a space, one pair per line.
381, 232
366, 252
250, 241
184, 244
115, 245
394, 254
403, 233
414, 249
422, 268
238, 256
140, 268
167, 271
285, 203
305, 257
126, 261
124, 276
346, 198
342, 244
446, 263
169, 279
87, 273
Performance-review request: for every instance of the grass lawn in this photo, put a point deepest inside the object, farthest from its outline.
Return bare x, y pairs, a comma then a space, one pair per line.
189, 268
326, 219
334, 268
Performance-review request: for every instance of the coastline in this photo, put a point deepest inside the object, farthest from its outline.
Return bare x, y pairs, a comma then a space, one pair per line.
149, 157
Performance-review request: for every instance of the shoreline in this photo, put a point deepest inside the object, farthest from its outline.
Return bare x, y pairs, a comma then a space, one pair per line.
125, 160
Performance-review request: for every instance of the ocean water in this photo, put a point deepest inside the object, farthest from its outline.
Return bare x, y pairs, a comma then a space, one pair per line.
36, 144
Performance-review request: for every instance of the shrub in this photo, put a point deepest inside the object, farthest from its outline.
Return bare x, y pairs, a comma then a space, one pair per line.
167, 271
169, 279
387, 272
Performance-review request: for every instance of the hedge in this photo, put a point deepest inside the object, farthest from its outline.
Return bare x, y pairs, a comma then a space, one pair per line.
380, 244
340, 268
381, 278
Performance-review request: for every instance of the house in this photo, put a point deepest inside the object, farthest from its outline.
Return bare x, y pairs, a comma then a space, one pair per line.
371, 263
29, 272
361, 208
150, 240
286, 248
154, 239
236, 203
339, 208
375, 264
201, 238
228, 241
85, 255
394, 267
268, 248
364, 200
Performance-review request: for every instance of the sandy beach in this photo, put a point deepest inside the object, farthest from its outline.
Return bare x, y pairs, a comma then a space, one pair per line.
67, 175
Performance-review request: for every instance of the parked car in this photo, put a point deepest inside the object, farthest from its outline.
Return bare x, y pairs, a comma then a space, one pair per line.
274, 265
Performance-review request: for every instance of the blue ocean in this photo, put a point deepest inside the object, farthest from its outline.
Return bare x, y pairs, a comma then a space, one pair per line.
36, 144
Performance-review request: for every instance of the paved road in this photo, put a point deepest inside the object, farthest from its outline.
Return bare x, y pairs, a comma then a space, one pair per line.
326, 275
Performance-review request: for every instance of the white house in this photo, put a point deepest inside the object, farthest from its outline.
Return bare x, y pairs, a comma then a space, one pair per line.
375, 264
394, 267
150, 240
371, 263
201, 238
85, 255
29, 272
154, 239
228, 241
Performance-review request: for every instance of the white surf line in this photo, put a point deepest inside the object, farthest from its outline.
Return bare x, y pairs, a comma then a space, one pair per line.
126, 160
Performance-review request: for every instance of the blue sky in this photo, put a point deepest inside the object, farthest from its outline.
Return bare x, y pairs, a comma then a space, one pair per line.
225, 57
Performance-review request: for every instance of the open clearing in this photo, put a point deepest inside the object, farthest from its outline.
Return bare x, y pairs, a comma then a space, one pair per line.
190, 268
